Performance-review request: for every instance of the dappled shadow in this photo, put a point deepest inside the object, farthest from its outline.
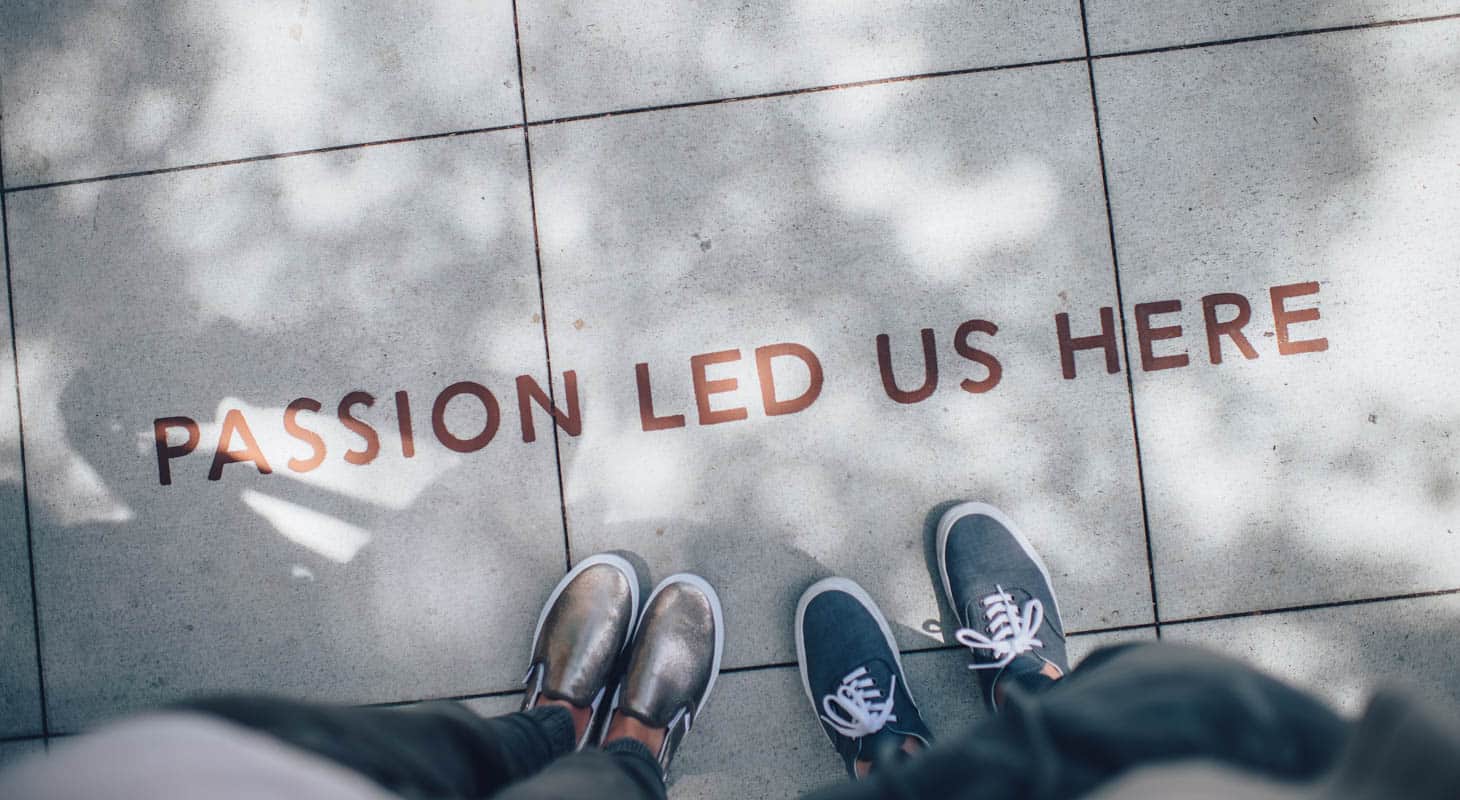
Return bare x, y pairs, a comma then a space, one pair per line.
99, 88
827, 220
1306, 159
242, 288
590, 57
20, 707
1117, 25
823, 219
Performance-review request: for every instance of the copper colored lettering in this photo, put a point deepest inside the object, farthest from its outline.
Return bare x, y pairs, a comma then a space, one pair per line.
403, 422
309, 437
704, 388
1150, 362
528, 390
1282, 318
438, 416
646, 404
1105, 340
233, 422
166, 452
763, 356
968, 351
372, 441
1231, 328
930, 369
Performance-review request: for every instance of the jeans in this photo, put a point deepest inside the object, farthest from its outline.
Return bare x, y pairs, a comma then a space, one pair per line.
444, 750
1125, 706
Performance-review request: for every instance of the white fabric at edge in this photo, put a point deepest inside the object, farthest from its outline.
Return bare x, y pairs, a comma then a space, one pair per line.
159, 756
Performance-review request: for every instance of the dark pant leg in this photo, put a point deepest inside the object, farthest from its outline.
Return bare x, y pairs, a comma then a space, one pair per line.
624, 770
1127, 707
432, 750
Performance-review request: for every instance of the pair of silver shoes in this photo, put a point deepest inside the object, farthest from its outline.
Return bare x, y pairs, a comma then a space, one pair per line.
670, 654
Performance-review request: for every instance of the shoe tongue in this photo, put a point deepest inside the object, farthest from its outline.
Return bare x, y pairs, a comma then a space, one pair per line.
977, 612
881, 673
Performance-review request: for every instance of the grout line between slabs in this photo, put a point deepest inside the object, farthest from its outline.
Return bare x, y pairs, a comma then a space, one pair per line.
954, 647
1362, 601
942, 648
1263, 37
1124, 338
525, 125
35, 606
1156, 626
265, 157
738, 99
831, 87
456, 698
541, 294
732, 670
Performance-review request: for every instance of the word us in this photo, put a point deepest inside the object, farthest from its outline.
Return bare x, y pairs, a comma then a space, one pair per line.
1225, 315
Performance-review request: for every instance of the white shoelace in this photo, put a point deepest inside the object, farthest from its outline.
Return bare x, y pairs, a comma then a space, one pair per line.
1011, 629
853, 711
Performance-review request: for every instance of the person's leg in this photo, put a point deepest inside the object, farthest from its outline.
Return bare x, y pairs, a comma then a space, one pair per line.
1000, 590
672, 666
623, 770
1058, 733
1141, 705
852, 673
443, 749
433, 750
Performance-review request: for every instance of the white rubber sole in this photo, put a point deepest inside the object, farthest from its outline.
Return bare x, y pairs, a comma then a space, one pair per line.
945, 526
860, 595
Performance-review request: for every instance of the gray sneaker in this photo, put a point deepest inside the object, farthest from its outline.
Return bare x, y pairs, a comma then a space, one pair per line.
1000, 590
581, 634
674, 659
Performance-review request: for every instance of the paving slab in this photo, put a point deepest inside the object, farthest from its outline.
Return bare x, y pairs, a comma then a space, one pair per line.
1121, 25
823, 221
93, 88
591, 56
375, 561
12, 752
495, 706
1344, 653
758, 738
1320, 463
20, 696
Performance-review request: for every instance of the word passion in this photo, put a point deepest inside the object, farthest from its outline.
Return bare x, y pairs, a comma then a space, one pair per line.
1226, 316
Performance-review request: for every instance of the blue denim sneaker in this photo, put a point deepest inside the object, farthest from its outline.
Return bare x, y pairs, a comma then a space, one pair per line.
1000, 590
853, 675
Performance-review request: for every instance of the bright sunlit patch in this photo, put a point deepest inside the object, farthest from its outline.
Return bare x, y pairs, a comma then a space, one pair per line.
80, 496
334, 539
657, 486
243, 285
942, 221
82, 481
389, 482
153, 120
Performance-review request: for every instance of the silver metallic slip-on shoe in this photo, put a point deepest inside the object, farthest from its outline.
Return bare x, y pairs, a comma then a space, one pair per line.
674, 659
583, 630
